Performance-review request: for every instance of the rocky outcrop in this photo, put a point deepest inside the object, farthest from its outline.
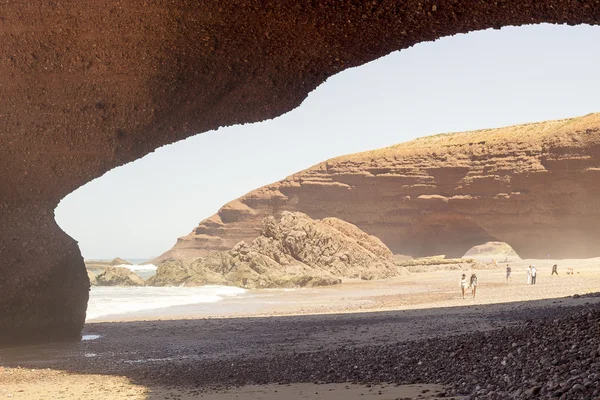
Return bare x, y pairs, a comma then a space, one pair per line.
499, 251
291, 251
92, 278
118, 276
533, 186
88, 86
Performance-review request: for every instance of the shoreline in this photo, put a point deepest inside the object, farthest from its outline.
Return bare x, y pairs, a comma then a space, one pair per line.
420, 290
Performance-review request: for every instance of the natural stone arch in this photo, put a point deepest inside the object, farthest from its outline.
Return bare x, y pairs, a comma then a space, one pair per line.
88, 86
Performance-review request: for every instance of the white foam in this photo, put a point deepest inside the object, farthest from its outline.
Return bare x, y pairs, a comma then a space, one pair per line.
146, 267
106, 301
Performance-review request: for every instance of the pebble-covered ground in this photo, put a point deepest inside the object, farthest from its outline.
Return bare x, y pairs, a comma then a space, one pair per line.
513, 341
540, 352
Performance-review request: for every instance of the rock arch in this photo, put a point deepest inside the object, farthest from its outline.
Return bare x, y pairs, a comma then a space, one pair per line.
87, 86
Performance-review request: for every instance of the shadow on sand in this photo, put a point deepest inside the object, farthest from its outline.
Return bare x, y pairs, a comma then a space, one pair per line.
235, 351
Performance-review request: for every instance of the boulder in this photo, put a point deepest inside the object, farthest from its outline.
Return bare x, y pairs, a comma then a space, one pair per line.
119, 276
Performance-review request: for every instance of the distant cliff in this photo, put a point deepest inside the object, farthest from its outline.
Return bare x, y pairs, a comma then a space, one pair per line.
101, 265
535, 186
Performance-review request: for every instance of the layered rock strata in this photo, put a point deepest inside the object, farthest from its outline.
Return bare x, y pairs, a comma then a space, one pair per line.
291, 251
533, 186
87, 86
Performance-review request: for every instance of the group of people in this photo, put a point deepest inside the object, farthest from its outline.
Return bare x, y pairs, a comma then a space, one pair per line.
466, 284
471, 283
531, 275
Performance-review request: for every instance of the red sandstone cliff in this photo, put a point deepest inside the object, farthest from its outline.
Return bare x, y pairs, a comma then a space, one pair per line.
534, 186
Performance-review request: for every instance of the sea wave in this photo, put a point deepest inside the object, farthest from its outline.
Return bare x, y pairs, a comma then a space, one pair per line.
139, 267
114, 301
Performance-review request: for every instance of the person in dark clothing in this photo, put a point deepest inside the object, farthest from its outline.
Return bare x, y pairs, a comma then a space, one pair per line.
554, 269
508, 272
473, 284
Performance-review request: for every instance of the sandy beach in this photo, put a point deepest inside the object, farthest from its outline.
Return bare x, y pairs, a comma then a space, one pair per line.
347, 341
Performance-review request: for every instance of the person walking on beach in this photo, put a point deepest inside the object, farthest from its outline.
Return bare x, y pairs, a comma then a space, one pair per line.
463, 284
508, 273
529, 275
554, 269
473, 284
533, 274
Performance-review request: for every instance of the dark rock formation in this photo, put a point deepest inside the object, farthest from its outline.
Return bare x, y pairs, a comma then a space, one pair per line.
292, 251
119, 276
533, 186
88, 86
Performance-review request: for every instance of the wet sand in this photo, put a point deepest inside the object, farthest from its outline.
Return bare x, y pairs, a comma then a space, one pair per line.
194, 355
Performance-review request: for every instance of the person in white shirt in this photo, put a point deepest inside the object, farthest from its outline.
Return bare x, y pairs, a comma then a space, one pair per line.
463, 284
533, 274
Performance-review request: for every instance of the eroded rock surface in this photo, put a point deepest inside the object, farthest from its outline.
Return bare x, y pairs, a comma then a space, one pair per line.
498, 251
534, 186
118, 276
88, 86
92, 278
294, 250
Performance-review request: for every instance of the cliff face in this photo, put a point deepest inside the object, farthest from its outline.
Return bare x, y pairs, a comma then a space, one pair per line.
293, 250
534, 186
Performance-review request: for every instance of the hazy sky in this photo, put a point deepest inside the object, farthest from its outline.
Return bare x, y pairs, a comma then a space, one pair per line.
481, 80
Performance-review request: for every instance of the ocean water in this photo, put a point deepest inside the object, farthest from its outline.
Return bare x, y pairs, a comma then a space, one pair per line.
144, 271
108, 301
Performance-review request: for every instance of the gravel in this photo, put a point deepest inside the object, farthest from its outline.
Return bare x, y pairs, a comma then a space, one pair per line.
553, 358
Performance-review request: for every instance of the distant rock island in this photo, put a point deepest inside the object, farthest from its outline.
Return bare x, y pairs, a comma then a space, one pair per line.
290, 251
110, 273
533, 186
101, 264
